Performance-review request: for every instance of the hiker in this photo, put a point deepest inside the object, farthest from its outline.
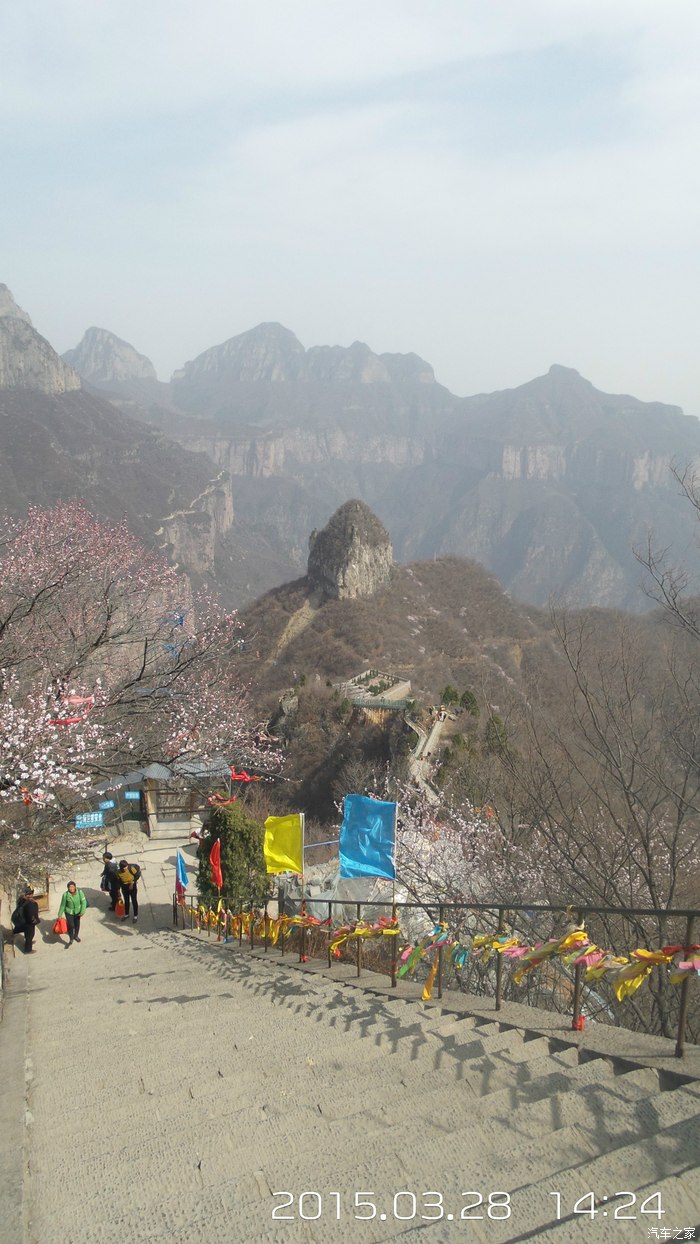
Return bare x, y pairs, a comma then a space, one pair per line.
73, 904
25, 918
109, 881
129, 875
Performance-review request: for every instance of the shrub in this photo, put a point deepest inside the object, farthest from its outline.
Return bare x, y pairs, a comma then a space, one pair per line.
242, 859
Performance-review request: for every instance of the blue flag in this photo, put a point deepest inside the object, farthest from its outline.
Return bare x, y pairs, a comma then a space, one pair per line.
367, 838
180, 871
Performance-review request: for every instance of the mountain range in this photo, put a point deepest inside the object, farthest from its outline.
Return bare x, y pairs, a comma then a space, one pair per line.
550, 485
253, 444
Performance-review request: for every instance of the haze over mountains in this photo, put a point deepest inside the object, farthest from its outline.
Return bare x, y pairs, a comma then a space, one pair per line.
254, 443
60, 439
549, 485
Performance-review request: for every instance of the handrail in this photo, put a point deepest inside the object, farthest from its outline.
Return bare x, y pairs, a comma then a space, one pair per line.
504, 911
507, 905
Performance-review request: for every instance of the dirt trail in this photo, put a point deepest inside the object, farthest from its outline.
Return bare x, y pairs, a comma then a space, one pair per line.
296, 624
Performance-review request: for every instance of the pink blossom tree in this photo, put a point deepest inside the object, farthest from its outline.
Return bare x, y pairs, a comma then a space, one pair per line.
108, 661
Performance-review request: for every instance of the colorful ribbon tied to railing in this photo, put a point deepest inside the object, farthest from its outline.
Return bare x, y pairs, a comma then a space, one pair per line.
411, 955
362, 930
625, 973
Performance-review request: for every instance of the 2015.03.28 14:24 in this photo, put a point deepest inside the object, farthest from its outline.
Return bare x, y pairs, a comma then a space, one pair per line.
626, 1210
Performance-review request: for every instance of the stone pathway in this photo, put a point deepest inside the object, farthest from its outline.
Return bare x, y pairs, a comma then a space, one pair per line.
169, 1087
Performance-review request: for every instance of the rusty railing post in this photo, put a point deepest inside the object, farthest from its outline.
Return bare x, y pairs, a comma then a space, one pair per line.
578, 988
266, 920
394, 956
330, 925
175, 910
302, 931
499, 964
252, 924
441, 918
359, 941
683, 1013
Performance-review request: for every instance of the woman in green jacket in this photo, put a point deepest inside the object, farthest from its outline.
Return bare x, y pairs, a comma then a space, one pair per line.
72, 906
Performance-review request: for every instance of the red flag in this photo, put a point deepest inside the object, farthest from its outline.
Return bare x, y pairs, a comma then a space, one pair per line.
215, 861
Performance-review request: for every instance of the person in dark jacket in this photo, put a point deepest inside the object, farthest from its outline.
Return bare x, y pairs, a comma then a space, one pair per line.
109, 880
129, 875
72, 906
25, 918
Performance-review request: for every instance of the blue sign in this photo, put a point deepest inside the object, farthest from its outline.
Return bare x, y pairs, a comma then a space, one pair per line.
89, 820
132, 794
106, 805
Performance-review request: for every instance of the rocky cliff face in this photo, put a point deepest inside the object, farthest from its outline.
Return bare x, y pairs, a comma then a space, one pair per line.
269, 454
58, 441
9, 307
103, 358
352, 556
27, 361
190, 536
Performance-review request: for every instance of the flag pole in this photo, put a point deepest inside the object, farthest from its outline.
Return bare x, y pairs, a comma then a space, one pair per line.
180, 889
218, 905
302, 940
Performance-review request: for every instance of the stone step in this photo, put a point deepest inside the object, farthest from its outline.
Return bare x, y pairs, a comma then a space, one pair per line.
641, 1164
241, 1210
324, 1054
255, 1137
620, 1102
417, 1156
338, 1090
279, 1094
283, 1090
238, 1219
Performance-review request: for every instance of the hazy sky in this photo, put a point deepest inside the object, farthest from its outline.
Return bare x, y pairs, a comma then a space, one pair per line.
497, 185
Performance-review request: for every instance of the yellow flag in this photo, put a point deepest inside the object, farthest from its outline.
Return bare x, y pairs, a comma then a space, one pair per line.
284, 843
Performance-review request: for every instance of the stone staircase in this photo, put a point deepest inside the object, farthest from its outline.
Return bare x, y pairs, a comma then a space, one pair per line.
179, 1083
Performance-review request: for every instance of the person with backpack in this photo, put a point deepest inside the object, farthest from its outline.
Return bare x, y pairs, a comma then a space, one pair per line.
25, 918
72, 906
129, 875
109, 881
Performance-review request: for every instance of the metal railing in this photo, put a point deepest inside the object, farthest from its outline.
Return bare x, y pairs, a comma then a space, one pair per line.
502, 914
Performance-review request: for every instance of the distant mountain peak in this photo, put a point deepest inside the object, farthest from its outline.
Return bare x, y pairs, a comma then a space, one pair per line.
565, 372
268, 353
271, 353
9, 307
102, 357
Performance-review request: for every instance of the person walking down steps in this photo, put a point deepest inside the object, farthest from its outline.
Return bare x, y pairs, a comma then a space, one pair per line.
73, 904
25, 919
109, 881
129, 876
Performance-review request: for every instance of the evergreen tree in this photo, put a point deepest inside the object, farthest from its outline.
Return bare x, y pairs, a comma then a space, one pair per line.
469, 703
242, 859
